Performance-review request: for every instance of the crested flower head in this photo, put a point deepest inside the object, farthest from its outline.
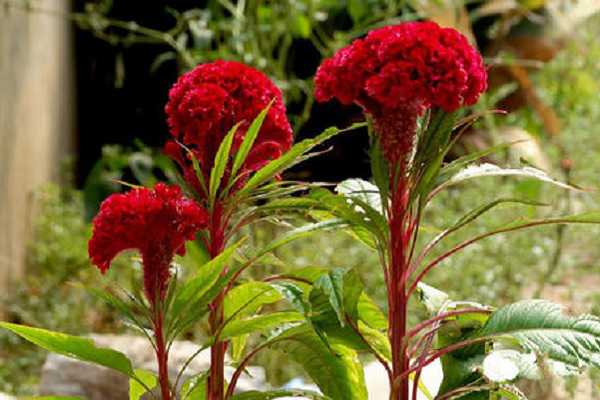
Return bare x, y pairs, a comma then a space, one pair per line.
157, 222
205, 103
403, 70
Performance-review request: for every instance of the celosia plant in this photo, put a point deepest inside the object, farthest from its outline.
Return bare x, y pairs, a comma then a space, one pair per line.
157, 223
213, 103
412, 80
395, 74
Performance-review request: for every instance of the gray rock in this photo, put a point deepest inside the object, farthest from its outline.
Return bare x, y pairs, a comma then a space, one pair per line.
62, 376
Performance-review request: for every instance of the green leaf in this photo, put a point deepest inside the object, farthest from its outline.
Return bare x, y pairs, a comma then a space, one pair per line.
220, 164
248, 298
198, 286
237, 345
299, 233
362, 190
334, 300
136, 389
76, 347
293, 294
364, 222
191, 311
195, 387
542, 327
249, 139
370, 313
477, 212
288, 159
456, 165
376, 339
331, 287
276, 394
379, 165
336, 369
259, 323
486, 169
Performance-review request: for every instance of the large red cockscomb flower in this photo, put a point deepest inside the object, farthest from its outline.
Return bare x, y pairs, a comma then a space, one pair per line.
156, 222
209, 100
397, 72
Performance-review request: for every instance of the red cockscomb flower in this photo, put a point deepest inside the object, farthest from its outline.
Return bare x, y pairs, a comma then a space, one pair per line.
395, 73
156, 222
207, 101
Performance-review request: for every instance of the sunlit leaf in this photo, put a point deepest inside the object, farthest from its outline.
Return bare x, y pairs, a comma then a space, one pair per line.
136, 389
76, 347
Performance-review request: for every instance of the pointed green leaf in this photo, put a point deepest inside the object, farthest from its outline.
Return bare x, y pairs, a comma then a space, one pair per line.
456, 165
293, 156
76, 347
487, 169
220, 164
299, 233
249, 139
199, 284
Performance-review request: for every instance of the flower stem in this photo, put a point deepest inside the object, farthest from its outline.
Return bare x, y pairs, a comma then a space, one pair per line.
162, 356
216, 380
400, 242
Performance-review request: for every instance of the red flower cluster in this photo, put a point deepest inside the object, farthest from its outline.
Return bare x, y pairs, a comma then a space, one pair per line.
403, 70
156, 222
207, 101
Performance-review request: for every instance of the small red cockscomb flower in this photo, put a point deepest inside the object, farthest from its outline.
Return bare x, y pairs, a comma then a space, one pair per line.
157, 222
209, 100
395, 73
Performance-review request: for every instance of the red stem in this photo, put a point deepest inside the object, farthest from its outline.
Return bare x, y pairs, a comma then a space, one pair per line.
442, 316
400, 240
162, 357
216, 380
469, 242
435, 356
